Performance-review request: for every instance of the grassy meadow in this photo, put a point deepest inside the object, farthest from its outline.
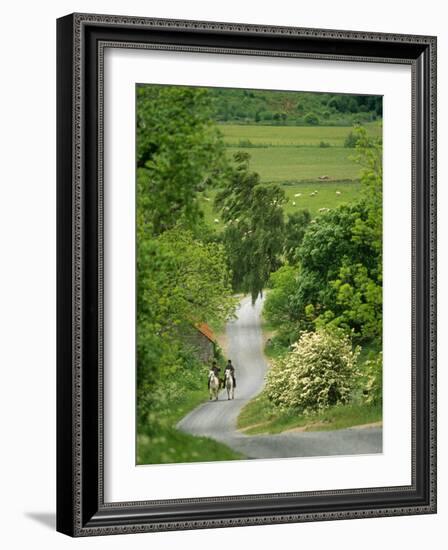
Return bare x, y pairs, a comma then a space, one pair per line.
286, 164
295, 136
293, 157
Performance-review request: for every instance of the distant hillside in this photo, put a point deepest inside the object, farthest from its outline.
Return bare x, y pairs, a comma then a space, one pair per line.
239, 106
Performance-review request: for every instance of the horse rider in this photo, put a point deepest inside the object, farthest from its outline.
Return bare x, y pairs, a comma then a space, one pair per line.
216, 371
231, 368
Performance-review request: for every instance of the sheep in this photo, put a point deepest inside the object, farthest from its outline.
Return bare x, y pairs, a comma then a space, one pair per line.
312, 194
216, 220
293, 203
298, 195
321, 178
338, 192
207, 199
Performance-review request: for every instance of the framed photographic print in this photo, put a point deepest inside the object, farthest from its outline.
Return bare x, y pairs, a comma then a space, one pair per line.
246, 274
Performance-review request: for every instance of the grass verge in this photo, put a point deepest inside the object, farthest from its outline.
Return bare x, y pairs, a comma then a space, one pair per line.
167, 445
259, 417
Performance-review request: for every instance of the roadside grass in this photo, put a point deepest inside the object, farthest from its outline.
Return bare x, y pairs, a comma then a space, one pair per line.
259, 417
165, 444
274, 349
170, 446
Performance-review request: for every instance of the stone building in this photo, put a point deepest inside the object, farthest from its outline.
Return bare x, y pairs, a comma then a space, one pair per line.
201, 337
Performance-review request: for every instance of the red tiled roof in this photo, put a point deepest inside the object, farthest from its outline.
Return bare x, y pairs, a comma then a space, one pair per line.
206, 331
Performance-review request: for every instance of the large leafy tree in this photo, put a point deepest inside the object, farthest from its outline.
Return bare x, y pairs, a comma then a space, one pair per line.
359, 283
254, 233
340, 260
179, 152
278, 308
181, 281
327, 244
369, 155
294, 232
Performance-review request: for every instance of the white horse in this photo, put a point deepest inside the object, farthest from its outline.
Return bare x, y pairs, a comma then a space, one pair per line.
213, 385
229, 384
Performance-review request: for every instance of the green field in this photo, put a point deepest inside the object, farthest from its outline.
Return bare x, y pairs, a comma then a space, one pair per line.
283, 154
290, 135
291, 164
292, 157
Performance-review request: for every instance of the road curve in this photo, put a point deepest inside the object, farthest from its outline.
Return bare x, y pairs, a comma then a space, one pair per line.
218, 419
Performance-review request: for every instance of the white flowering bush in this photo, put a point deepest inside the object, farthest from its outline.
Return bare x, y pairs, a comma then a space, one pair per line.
320, 371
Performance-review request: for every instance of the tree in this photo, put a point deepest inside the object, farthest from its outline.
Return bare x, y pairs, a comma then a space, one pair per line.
294, 232
359, 283
340, 260
277, 308
253, 237
369, 155
341, 256
359, 299
181, 281
312, 119
179, 148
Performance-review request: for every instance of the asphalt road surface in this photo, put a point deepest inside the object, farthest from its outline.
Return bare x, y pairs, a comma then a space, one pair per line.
218, 419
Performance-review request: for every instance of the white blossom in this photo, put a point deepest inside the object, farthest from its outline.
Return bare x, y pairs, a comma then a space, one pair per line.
320, 371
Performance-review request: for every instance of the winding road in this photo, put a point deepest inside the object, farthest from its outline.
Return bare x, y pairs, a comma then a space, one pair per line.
218, 419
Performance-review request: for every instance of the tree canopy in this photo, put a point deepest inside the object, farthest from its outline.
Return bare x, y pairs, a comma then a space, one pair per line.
254, 220
179, 152
339, 257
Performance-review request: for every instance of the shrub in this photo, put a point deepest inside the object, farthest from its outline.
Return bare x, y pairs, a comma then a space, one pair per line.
373, 388
351, 140
312, 119
324, 144
319, 372
245, 143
